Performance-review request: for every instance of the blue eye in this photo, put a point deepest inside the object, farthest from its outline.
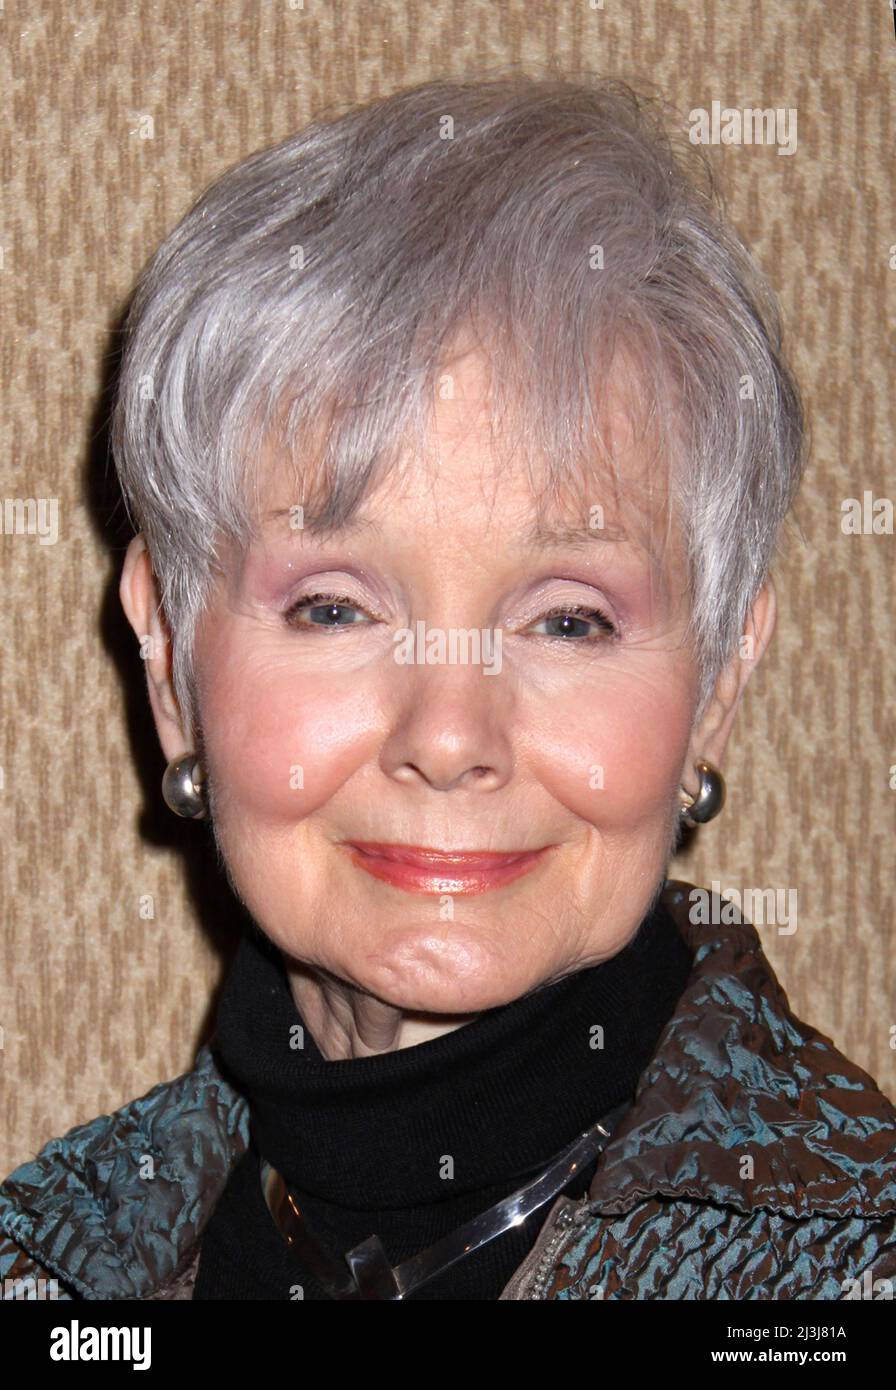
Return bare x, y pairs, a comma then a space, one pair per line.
329, 611
575, 620
323, 610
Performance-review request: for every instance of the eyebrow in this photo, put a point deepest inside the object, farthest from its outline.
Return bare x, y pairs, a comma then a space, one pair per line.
585, 538
538, 534
355, 523
580, 537
582, 534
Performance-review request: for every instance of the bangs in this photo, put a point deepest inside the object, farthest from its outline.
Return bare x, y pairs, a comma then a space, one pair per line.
331, 456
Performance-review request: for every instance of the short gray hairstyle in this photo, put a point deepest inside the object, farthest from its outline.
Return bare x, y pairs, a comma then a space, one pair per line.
309, 296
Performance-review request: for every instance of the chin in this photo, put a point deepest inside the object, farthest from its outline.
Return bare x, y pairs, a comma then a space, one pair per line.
442, 971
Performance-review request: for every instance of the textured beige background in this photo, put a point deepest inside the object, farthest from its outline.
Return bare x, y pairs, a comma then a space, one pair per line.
98, 1002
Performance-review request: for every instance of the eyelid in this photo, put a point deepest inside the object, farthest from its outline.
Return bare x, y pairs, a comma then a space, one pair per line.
321, 598
549, 600
586, 612
595, 611
342, 581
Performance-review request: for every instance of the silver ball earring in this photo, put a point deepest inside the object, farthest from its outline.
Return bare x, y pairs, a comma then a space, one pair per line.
710, 798
183, 787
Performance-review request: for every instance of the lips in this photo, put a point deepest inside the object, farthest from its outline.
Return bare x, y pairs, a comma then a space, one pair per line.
419, 869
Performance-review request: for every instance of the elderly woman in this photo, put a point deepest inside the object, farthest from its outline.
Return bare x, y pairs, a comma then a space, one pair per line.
459, 439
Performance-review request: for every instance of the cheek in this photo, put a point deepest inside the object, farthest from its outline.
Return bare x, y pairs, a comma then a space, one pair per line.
280, 745
614, 756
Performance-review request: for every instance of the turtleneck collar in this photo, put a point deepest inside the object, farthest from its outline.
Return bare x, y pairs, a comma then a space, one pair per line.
481, 1107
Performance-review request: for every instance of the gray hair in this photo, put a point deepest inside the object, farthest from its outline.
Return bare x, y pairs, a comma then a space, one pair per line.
310, 295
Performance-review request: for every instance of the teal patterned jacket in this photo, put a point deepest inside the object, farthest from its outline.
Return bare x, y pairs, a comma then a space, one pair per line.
757, 1162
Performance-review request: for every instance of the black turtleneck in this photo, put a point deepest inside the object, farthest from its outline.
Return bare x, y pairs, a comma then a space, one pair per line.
410, 1144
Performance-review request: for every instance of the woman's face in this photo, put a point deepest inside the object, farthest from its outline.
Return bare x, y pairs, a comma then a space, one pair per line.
317, 735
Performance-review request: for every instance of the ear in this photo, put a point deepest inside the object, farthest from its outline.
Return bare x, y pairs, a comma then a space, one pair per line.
710, 737
139, 595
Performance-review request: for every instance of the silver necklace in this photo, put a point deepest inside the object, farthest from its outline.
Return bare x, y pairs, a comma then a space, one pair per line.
364, 1272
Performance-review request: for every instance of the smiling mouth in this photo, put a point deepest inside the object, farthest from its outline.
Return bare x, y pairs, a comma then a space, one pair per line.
420, 869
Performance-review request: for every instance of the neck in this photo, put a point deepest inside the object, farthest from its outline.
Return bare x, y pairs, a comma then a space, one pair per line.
346, 1022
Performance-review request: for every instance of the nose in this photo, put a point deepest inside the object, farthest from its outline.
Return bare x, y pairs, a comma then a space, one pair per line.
451, 728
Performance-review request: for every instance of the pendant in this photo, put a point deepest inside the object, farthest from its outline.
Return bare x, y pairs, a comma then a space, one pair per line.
364, 1272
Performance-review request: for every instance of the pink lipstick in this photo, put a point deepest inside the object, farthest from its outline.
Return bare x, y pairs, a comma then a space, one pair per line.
418, 869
